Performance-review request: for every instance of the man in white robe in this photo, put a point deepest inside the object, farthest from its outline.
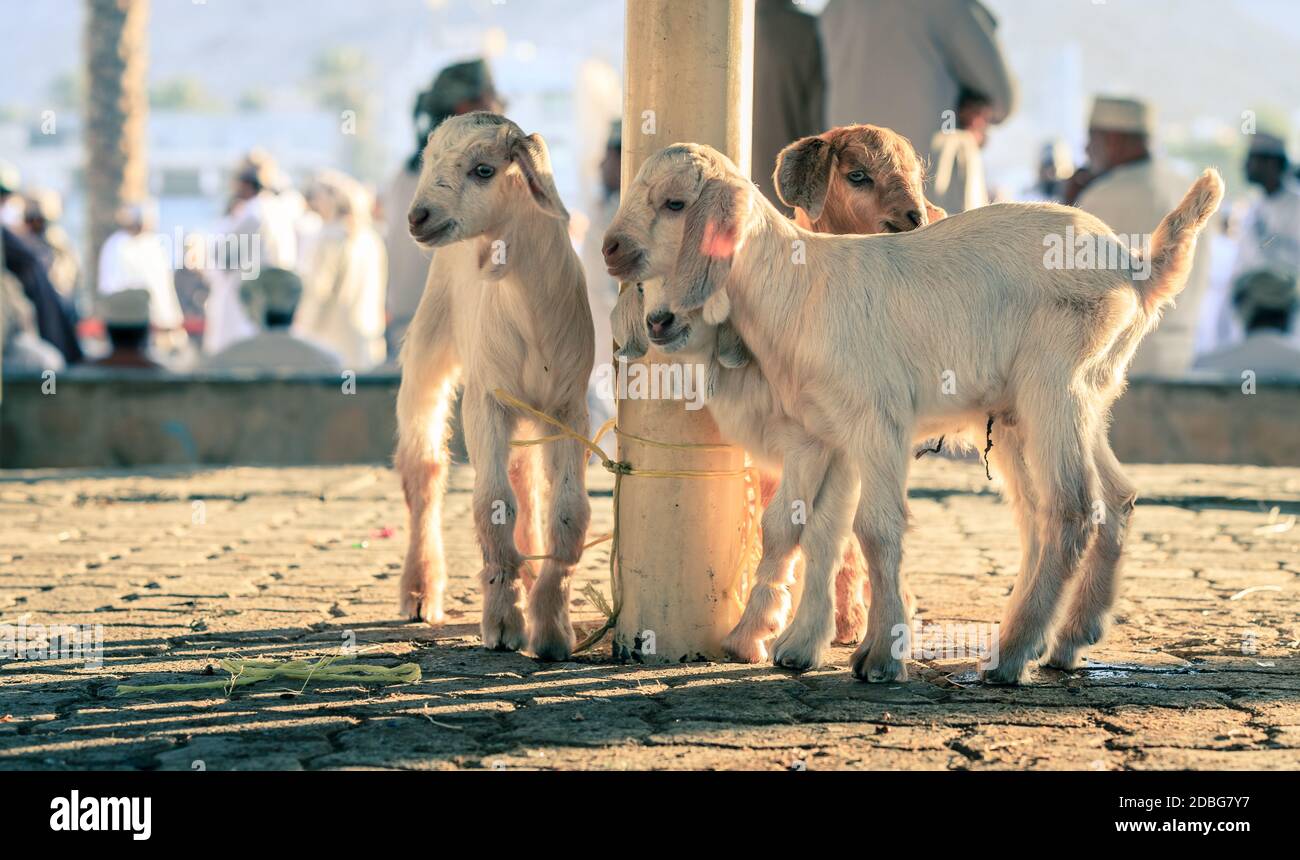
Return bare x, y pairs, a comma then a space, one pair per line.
1131, 189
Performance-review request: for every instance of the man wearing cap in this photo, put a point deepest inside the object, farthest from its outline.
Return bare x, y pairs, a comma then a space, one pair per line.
134, 257
257, 224
1270, 236
458, 89
1265, 301
1131, 189
126, 314
272, 297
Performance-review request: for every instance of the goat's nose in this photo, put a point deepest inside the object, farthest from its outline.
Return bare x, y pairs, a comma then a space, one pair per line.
417, 216
915, 217
610, 248
659, 321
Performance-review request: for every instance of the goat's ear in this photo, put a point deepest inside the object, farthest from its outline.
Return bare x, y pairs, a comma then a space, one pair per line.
627, 322
934, 213
717, 308
712, 234
732, 351
803, 175
534, 162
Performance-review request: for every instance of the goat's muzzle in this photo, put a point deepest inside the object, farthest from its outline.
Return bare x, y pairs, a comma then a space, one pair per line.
425, 229
622, 258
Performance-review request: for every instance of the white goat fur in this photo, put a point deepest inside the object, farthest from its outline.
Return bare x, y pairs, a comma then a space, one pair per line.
813, 175
858, 341
747, 413
504, 306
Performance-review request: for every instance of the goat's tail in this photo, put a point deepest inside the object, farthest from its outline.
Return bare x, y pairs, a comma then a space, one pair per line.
1174, 242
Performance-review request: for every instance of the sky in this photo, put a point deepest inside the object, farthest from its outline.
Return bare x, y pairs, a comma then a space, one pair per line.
1200, 61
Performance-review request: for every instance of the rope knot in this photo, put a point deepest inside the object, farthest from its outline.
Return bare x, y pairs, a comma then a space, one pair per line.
618, 467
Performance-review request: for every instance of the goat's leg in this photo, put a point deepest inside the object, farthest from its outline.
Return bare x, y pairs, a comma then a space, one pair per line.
566, 526
879, 524
769, 601
1007, 460
850, 605
1059, 445
488, 429
424, 402
850, 581
822, 544
524, 480
1085, 619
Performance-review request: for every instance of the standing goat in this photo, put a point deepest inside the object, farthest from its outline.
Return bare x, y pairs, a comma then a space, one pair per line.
505, 306
859, 335
794, 466
873, 184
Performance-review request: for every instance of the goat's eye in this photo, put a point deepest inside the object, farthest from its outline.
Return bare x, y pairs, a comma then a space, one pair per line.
484, 171
640, 289
859, 177
674, 205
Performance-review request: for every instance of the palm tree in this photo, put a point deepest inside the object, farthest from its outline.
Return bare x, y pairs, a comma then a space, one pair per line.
117, 110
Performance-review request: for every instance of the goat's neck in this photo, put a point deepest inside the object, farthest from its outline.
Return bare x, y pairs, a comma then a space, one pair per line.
767, 287
530, 249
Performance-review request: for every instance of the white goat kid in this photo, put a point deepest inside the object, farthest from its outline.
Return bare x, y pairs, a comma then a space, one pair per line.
505, 306
747, 413
857, 335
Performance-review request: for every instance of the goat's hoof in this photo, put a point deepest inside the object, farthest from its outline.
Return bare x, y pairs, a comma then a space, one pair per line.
504, 629
877, 666
505, 634
1065, 656
743, 648
795, 650
421, 607
1005, 675
552, 642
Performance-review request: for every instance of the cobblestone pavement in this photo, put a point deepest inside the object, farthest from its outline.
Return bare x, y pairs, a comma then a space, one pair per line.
185, 568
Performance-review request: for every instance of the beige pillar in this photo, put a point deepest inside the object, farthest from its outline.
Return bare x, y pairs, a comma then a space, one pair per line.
688, 77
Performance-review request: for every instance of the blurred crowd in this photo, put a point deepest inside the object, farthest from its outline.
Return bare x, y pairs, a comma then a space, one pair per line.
285, 280
323, 277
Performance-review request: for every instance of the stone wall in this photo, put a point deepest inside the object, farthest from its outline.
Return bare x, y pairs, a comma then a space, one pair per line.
119, 419
97, 418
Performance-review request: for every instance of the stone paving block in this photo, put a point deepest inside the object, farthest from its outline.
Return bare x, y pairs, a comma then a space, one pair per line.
182, 568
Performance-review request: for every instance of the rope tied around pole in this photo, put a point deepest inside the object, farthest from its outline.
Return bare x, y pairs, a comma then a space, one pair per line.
621, 469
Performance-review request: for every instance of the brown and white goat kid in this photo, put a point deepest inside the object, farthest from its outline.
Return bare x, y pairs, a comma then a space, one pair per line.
505, 306
863, 337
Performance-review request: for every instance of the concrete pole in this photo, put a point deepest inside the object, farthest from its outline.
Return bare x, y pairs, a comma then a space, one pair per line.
688, 77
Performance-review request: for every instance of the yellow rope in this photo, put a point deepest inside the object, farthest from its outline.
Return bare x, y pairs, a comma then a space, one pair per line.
620, 470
